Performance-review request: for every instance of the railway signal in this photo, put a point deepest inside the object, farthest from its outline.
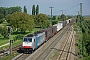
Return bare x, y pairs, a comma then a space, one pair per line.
9, 31
10, 41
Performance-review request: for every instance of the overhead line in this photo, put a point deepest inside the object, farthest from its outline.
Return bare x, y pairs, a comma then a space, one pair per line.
66, 9
72, 7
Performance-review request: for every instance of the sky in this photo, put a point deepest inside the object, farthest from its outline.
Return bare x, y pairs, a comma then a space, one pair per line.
71, 6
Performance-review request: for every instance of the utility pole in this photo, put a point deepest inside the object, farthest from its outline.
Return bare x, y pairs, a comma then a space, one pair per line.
80, 13
65, 11
62, 11
63, 14
80, 26
78, 19
51, 15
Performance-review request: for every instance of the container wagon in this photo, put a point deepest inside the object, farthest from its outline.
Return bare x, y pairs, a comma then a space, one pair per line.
67, 21
48, 33
54, 30
59, 26
64, 23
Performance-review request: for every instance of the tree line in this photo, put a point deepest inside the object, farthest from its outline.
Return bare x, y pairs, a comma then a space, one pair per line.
5, 11
22, 21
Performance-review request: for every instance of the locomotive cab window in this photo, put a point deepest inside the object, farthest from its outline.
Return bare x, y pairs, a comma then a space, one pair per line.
27, 39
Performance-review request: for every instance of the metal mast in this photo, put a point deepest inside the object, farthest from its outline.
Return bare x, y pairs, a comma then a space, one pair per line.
81, 9
51, 15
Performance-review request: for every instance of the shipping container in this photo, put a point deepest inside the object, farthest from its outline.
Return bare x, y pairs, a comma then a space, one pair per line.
59, 26
54, 29
64, 23
48, 33
67, 21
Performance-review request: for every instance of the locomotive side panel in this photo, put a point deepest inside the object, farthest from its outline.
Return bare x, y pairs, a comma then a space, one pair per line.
40, 38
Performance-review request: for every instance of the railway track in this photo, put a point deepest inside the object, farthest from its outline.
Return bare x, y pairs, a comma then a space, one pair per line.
48, 49
22, 57
66, 48
45, 50
6, 52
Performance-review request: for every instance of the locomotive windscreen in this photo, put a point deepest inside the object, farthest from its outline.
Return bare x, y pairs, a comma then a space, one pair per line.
27, 40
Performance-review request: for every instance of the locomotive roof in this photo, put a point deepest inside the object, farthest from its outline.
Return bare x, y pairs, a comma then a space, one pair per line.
30, 35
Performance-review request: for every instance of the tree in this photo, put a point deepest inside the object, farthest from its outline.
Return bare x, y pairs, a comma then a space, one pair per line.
25, 9
37, 9
69, 17
6, 12
33, 10
21, 21
54, 18
10, 10
4, 32
1, 17
14, 9
63, 17
54, 22
41, 20
2, 10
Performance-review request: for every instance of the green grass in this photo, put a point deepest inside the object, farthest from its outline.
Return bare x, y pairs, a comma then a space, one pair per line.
4, 24
54, 55
4, 41
87, 17
16, 43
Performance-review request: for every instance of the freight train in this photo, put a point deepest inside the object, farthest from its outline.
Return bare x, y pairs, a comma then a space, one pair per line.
33, 41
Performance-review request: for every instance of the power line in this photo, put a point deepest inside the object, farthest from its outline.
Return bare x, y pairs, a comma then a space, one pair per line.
66, 9
59, 11
72, 7
62, 11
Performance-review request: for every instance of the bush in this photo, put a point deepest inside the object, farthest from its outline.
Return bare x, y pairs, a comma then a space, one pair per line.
54, 22
18, 37
1, 20
4, 31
